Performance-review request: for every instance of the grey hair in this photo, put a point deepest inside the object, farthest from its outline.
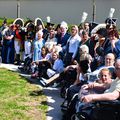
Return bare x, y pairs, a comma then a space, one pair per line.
84, 49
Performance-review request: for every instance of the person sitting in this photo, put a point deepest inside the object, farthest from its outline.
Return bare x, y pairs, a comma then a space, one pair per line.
109, 63
99, 86
113, 93
54, 72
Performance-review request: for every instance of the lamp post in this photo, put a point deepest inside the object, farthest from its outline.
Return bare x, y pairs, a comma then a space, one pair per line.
94, 10
18, 8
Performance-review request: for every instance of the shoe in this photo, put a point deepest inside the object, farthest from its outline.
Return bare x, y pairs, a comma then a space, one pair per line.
42, 82
55, 85
21, 69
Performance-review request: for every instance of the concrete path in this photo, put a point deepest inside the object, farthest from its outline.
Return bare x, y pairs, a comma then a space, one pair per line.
53, 96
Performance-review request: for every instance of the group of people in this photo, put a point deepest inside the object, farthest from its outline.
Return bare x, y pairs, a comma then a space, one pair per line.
95, 56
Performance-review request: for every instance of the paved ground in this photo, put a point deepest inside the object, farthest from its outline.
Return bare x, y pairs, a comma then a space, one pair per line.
53, 95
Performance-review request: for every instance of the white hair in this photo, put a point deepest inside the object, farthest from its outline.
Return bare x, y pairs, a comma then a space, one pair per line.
117, 61
84, 49
64, 25
40, 32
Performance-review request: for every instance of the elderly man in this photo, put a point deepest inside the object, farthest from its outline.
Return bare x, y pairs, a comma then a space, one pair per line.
112, 93
109, 63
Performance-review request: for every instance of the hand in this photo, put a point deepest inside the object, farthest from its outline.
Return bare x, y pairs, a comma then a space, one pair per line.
85, 86
87, 98
113, 43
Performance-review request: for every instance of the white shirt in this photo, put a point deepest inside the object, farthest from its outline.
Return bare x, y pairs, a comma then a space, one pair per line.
74, 44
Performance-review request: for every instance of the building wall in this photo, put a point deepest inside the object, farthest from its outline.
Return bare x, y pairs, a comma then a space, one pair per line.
59, 10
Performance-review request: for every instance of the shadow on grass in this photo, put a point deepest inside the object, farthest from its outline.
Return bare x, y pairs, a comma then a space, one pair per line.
44, 103
29, 79
36, 93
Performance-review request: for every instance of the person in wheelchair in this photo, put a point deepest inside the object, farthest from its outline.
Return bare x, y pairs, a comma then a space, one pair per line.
99, 86
112, 93
102, 106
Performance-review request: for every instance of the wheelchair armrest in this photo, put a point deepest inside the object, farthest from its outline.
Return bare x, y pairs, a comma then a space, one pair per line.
108, 103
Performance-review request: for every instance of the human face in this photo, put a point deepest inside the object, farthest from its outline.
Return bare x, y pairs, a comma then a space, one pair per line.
52, 33
85, 36
54, 56
112, 37
105, 76
86, 26
63, 30
73, 31
39, 36
43, 51
109, 60
117, 68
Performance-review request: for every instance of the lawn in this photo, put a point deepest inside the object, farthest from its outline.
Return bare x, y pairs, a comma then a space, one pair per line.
20, 100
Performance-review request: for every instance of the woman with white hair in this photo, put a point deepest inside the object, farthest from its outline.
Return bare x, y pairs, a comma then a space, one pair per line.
37, 45
84, 49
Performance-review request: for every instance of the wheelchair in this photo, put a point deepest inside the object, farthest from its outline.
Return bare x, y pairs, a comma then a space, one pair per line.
100, 110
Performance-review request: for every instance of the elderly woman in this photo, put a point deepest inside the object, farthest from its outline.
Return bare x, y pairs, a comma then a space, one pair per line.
37, 46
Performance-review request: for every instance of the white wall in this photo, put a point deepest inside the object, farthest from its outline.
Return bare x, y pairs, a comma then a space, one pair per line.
68, 10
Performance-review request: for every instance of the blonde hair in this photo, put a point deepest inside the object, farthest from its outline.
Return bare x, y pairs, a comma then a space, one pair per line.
105, 69
76, 27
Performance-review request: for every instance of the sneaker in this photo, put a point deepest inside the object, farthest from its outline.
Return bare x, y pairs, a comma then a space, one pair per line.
43, 83
55, 85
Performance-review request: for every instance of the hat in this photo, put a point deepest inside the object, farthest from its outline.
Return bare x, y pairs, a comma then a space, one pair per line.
38, 21
19, 21
50, 24
92, 25
111, 21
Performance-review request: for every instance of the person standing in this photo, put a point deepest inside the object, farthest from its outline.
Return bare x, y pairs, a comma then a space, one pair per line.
8, 46
72, 46
37, 46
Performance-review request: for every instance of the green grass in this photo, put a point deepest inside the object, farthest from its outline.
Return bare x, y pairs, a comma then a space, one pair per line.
20, 100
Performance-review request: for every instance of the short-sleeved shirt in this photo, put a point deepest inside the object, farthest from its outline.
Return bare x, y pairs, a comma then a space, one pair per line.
115, 86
